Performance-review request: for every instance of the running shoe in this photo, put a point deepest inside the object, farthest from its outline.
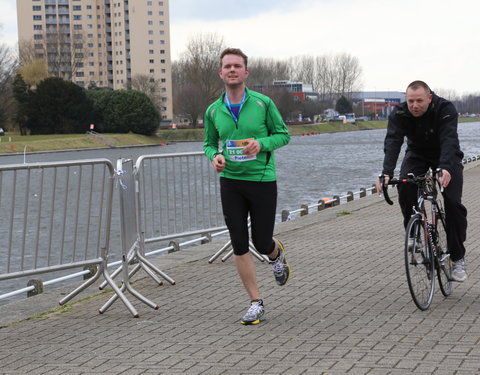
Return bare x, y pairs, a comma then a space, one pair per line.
459, 272
281, 269
255, 314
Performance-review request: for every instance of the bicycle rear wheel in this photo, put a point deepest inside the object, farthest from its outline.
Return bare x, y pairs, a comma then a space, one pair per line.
419, 264
443, 263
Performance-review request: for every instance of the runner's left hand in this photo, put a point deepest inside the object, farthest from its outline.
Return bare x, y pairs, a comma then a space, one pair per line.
252, 148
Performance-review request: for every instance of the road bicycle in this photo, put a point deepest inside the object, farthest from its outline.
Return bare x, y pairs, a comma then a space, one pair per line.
426, 251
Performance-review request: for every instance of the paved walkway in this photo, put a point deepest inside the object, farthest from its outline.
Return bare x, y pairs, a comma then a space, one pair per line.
346, 310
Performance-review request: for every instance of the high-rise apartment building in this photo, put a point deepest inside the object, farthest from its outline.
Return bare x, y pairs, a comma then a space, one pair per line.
105, 43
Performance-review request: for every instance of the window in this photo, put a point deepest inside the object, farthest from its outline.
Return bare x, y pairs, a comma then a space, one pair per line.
77, 27
37, 7
149, 3
150, 32
150, 51
37, 36
89, 7
37, 27
150, 41
37, 17
152, 71
91, 73
150, 22
160, 13
162, 61
151, 61
150, 13
77, 17
77, 7
162, 52
38, 46
79, 74
90, 45
160, 3
162, 23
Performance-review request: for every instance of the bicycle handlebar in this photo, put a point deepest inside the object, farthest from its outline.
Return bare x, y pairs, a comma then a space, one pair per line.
411, 179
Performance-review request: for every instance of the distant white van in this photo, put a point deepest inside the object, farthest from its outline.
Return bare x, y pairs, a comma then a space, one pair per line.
347, 118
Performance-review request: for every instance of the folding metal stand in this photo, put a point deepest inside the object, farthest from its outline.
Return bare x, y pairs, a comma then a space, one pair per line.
133, 240
228, 246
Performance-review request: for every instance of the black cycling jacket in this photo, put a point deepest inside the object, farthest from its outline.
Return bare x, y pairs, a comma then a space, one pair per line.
433, 135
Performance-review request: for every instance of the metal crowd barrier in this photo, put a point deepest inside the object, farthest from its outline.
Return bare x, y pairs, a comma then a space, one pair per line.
55, 216
178, 196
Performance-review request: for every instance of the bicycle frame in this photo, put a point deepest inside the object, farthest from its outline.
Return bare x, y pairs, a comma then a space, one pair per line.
429, 222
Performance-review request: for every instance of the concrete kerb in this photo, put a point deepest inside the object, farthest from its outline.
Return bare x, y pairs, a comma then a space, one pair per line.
46, 302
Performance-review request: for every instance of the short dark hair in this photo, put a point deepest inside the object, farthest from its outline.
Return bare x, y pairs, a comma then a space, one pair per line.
415, 85
234, 51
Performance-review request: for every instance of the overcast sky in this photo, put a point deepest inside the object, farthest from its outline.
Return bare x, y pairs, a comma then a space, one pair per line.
396, 42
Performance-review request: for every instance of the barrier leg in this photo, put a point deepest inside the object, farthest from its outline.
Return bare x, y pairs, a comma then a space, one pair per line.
219, 252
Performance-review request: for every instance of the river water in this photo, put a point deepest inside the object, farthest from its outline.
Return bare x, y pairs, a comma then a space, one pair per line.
308, 168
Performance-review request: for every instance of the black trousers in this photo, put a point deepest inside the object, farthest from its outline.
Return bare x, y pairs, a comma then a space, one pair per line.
455, 211
257, 199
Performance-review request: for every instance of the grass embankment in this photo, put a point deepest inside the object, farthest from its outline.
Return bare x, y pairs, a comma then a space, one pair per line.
13, 143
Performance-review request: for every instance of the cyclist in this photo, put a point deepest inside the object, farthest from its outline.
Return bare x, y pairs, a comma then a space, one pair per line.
429, 123
250, 128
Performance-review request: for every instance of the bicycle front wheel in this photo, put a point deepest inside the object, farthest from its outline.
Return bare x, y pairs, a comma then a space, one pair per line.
443, 263
419, 263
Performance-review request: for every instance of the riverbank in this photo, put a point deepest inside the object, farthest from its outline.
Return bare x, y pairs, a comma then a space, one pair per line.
15, 143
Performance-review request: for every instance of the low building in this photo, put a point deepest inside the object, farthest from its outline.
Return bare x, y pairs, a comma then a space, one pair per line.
376, 104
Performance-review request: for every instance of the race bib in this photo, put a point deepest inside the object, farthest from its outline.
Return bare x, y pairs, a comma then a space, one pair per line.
235, 150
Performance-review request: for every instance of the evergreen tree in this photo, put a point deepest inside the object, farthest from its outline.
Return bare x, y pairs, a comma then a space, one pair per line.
58, 106
343, 105
124, 111
21, 93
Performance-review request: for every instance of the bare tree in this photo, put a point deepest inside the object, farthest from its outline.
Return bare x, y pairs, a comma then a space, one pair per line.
323, 77
263, 71
196, 74
348, 73
150, 87
62, 52
303, 70
8, 66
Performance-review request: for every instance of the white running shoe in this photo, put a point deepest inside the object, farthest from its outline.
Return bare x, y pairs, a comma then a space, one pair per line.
459, 272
